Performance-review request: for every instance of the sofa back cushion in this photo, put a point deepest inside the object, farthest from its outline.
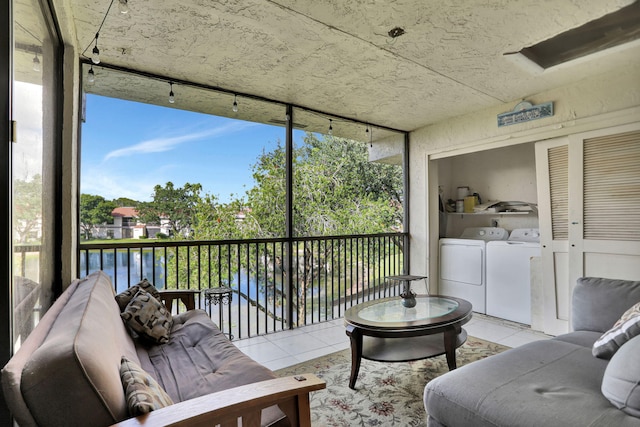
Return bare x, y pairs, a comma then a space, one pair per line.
598, 303
73, 378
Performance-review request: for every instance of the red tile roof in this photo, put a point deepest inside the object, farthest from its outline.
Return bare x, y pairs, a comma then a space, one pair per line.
126, 212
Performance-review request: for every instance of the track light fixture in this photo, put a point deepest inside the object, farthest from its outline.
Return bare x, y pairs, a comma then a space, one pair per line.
235, 103
172, 97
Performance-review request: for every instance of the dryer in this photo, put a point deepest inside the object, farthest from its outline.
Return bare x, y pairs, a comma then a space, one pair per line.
509, 275
462, 264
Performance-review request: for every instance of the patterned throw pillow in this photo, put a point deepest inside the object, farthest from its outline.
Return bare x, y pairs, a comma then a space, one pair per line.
148, 317
123, 298
142, 392
626, 328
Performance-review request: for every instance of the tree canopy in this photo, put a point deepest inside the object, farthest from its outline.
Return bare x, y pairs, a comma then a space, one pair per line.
28, 206
336, 190
94, 210
173, 206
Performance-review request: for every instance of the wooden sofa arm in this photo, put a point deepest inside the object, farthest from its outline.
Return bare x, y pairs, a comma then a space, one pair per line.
246, 402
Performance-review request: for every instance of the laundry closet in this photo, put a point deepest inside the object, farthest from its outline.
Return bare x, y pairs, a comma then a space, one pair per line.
489, 230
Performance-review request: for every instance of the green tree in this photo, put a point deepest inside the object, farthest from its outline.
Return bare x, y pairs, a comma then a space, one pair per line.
174, 206
125, 202
94, 210
27, 206
336, 191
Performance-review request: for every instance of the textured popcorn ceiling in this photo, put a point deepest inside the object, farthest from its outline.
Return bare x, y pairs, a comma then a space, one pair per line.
333, 56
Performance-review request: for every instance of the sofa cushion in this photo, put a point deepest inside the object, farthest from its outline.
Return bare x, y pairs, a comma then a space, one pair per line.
621, 382
123, 298
215, 364
82, 350
627, 327
547, 382
143, 393
598, 303
148, 318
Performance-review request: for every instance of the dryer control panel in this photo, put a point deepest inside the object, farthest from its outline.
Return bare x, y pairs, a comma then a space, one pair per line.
485, 233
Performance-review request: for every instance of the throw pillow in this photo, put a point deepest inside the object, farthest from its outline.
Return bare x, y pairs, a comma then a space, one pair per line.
621, 381
627, 327
123, 298
148, 318
143, 393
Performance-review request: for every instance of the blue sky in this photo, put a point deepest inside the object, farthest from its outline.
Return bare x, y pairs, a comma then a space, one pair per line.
128, 148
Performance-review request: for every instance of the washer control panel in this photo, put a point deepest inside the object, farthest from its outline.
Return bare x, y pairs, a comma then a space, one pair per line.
525, 235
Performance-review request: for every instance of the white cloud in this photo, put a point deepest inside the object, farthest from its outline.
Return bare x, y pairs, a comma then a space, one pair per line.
159, 145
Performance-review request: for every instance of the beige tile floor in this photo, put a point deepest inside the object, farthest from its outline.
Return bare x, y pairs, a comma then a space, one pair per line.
283, 349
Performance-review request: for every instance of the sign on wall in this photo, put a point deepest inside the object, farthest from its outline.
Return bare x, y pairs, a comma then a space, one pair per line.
525, 112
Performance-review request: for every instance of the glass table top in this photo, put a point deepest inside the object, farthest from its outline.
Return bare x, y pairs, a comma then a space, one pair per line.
392, 311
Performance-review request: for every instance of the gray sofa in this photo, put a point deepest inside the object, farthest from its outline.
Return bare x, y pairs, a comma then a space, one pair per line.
555, 382
68, 372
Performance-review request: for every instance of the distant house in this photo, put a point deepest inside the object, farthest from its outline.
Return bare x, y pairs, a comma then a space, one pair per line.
127, 225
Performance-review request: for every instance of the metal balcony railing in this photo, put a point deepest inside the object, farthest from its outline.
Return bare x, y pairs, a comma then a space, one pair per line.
276, 284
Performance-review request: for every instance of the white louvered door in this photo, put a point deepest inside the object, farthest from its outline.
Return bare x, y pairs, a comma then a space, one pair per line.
604, 236
552, 169
589, 209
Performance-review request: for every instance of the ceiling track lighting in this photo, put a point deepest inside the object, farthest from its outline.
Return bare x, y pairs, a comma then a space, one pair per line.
235, 103
95, 57
92, 75
172, 97
330, 127
36, 63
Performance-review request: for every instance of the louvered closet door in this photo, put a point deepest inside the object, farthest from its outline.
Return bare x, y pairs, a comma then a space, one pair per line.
589, 211
552, 169
605, 235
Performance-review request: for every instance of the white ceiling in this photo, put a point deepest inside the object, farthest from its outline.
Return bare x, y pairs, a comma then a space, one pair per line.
333, 56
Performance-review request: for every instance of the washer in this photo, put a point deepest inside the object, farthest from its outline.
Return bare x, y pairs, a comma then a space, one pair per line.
462, 264
509, 275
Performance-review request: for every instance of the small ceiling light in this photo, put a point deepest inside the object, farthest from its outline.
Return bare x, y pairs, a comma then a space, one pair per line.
123, 6
92, 75
235, 103
95, 57
172, 97
395, 32
36, 63
330, 127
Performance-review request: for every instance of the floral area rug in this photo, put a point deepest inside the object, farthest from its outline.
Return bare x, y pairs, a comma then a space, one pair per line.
387, 394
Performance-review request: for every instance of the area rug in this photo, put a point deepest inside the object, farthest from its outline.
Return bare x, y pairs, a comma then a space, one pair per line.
387, 394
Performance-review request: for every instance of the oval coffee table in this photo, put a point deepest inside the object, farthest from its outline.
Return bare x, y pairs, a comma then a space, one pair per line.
386, 331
